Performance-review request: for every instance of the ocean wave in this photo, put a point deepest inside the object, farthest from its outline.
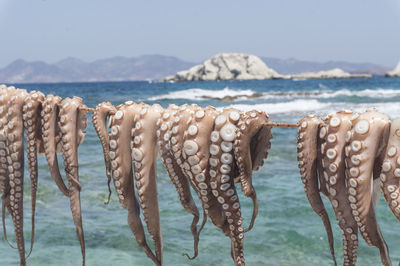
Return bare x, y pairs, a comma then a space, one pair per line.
228, 94
326, 94
320, 108
377, 93
283, 107
225, 94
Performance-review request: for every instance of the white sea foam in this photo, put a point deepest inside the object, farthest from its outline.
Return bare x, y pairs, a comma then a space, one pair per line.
283, 107
326, 94
377, 93
313, 106
202, 94
228, 94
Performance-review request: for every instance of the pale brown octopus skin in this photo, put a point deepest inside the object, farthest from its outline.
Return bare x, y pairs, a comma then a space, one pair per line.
222, 181
72, 122
251, 145
307, 155
51, 139
144, 154
333, 161
186, 146
32, 124
366, 142
191, 150
390, 176
196, 161
5, 94
121, 124
15, 163
178, 179
99, 119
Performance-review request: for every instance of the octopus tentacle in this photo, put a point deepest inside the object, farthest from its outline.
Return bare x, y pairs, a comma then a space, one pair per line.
144, 154
307, 155
99, 118
251, 144
178, 179
70, 124
179, 127
196, 155
50, 132
121, 124
15, 163
364, 139
222, 183
338, 124
5, 94
390, 177
32, 107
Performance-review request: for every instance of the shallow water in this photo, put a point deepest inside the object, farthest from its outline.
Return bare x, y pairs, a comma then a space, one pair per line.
287, 231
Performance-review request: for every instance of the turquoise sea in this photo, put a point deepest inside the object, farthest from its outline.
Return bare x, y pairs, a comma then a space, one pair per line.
287, 231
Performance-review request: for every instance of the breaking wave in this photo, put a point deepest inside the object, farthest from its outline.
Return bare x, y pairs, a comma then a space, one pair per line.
313, 106
225, 94
326, 94
283, 107
228, 94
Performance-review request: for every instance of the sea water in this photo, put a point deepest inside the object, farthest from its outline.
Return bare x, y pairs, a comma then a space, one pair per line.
286, 232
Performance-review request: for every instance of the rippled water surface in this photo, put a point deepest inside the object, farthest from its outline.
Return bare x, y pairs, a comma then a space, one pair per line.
287, 231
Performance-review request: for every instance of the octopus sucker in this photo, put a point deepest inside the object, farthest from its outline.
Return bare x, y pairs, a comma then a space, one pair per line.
122, 170
50, 133
367, 139
308, 155
251, 145
32, 124
390, 175
337, 127
72, 111
321, 144
144, 156
223, 184
178, 179
99, 119
15, 164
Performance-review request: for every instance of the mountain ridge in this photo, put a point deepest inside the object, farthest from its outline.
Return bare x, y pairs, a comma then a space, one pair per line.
149, 67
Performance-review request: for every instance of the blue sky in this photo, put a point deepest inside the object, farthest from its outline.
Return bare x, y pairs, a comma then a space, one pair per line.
355, 30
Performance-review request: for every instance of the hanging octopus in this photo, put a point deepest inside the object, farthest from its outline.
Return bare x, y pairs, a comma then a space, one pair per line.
72, 122
124, 123
14, 131
49, 128
32, 124
307, 155
252, 142
99, 119
168, 137
346, 151
364, 156
201, 148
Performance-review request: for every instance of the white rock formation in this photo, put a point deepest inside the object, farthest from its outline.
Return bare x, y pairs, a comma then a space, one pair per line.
395, 72
228, 66
335, 73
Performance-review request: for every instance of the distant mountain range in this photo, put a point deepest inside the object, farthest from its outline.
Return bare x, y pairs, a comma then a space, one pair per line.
149, 67
109, 69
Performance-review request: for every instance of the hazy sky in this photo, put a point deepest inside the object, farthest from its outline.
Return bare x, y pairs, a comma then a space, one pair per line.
352, 30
